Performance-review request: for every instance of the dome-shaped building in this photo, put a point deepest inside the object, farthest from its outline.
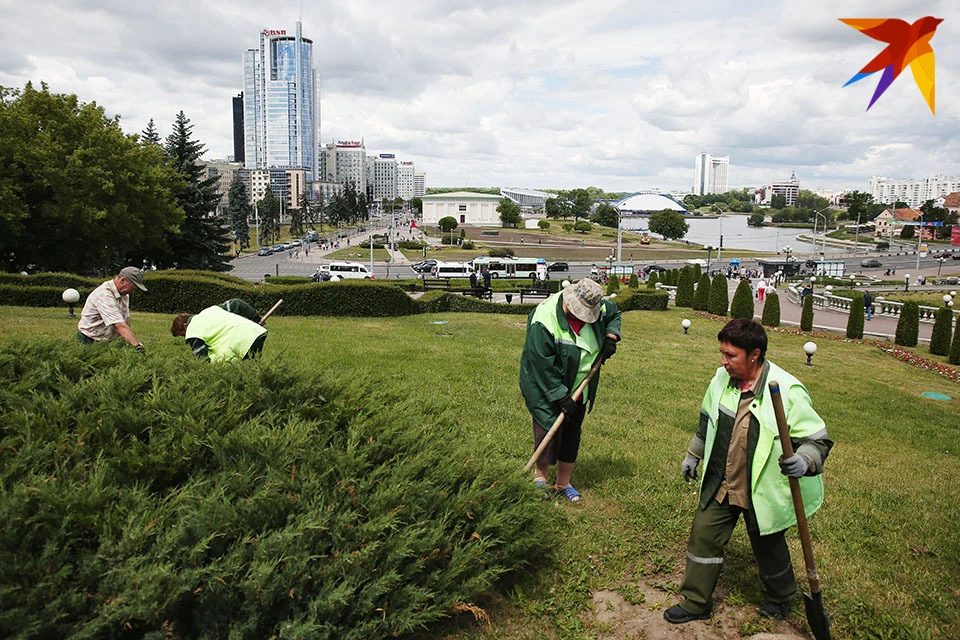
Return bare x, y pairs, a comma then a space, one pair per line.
648, 202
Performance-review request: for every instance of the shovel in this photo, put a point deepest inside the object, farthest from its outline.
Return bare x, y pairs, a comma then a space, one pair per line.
272, 309
813, 601
556, 423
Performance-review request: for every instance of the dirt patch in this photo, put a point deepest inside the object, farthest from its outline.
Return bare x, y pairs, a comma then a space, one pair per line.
615, 617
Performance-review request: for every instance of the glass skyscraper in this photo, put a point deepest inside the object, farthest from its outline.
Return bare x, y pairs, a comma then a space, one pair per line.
281, 114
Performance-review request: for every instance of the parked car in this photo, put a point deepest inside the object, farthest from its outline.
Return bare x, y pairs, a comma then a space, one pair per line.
287, 245
558, 266
277, 248
870, 262
265, 251
653, 267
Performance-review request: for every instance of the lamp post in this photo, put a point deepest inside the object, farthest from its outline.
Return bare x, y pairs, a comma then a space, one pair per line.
810, 348
71, 297
856, 238
823, 251
720, 248
709, 249
619, 235
906, 282
686, 325
940, 262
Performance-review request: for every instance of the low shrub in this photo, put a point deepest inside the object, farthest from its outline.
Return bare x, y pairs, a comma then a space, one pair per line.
288, 280
908, 326
501, 252
250, 501
642, 300
443, 302
634, 281
771, 310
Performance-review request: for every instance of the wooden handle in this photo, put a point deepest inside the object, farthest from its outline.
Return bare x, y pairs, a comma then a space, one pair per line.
272, 309
802, 528
577, 394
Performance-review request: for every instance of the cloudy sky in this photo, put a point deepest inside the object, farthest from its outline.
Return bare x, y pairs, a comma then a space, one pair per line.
570, 93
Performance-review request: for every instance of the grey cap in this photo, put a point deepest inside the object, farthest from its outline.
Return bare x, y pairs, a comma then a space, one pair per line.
134, 275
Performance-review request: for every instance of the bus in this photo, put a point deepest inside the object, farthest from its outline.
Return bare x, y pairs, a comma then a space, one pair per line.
508, 267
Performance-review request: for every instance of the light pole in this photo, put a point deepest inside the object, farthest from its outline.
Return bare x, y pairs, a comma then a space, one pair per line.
823, 251
856, 238
720, 248
940, 262
619, 235
919, 240
709, 249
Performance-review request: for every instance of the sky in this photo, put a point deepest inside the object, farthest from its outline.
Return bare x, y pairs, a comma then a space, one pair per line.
620, 95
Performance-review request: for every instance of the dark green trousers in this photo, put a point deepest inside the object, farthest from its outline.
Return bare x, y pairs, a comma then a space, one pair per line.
710, 533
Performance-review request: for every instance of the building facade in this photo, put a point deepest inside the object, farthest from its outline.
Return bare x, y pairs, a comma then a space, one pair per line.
419, 184
913, 192
238, 152
789, 189
710, 174
464, 207
385, 170
405, 173
281, 113
350, 164
529, 200
225, 173
287, 183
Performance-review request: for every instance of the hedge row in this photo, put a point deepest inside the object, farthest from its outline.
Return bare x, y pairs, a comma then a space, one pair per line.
260, 500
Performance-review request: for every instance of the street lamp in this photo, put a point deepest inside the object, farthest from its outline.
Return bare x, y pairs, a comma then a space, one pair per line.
810, 348
940, 262
71, 297
823, 251
720, 248
906, 282
919, 240
686, 325
788, 250
709, 249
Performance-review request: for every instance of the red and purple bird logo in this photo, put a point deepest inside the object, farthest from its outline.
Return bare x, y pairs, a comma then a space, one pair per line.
907, 44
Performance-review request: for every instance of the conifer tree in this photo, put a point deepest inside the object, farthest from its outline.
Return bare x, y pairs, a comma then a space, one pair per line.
150, 134
613, 285
268, 210
855, 319
942, 326
634, 281
806, 315
771, 310
719, 296
701, 297
908, 326
240, 213
652, 280
742, 306
954, 357
685, 288
202, 242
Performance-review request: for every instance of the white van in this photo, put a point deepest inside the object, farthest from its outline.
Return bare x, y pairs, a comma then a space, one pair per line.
348, 270
451, 270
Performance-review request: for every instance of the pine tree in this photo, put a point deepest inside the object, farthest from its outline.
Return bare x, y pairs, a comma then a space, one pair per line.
942, 327
268, 211
719, 296
855, 319
701, 297
150, 134
685, 288
771, 310
742, 306
954, 357
908, 326
806, 315
202, 242
240, 212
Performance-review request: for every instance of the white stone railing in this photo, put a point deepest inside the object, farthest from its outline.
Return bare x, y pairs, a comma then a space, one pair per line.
881, 307
671, 290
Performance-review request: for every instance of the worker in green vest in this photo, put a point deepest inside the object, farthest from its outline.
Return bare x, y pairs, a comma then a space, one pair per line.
566, 333
746, 474
228, 331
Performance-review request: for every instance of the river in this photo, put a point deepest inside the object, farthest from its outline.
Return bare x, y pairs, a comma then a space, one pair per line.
736, 234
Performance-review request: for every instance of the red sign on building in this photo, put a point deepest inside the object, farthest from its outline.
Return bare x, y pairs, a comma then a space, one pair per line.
955, 235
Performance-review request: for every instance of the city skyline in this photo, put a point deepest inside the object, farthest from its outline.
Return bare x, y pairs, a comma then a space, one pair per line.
618, 95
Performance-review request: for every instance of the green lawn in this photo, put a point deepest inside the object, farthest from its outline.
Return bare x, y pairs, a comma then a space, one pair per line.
885, 541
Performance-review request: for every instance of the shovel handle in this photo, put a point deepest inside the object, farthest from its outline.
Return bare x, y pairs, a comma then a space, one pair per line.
272, 309
802, 528
577, 394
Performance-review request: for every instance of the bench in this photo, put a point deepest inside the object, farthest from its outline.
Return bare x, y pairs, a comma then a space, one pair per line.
477, 292
436, 283
534, 293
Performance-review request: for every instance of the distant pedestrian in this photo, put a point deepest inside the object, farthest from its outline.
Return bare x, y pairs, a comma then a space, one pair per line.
761, 289
486, 278
868, 305
473, 279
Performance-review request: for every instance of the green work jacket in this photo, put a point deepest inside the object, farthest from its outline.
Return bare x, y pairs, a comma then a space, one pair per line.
769, 488
551, 358
228, 336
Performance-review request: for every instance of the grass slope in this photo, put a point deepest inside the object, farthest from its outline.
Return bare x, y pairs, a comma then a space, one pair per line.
885, 540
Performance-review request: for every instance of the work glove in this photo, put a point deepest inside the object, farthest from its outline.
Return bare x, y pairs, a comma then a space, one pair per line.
689, 467
690, 462
609, 348
568, 405
796, 466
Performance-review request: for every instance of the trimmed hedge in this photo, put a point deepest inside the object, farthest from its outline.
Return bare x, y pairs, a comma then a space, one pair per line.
771, 310
643, 300
942, 331
701, 297
855, 319
719, 296
806, 315
652, 280
742, 306
954, 357
444, 301
256, 500
908, 326
685, 288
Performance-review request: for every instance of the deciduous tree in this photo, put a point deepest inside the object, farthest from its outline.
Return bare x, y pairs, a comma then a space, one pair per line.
509, 213
669, 224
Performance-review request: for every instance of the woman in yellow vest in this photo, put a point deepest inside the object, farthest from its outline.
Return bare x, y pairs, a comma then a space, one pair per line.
223, 332
745, 472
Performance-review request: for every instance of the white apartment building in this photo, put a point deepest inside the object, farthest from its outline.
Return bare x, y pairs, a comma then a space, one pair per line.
913, 192
351, 164
710, 174
405, 171
419, 185
384, 177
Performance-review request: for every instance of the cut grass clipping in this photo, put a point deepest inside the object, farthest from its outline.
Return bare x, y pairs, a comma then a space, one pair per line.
145, 496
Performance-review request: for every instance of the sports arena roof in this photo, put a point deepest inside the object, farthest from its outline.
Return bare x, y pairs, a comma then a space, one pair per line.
647, 202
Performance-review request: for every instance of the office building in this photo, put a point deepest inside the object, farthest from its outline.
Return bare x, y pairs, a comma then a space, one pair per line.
419, 185
281, 113
405, 171
238, 128
350, 164
225, 172
711, 174
385, 171
789, 189
913, 192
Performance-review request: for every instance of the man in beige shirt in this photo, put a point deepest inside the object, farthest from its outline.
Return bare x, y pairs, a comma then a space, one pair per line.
106, 312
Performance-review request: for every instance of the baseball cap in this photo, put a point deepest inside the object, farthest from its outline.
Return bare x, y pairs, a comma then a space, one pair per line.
583, 299
134, 275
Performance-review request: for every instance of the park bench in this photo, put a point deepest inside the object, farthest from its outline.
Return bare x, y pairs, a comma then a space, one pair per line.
436, 283
534, 293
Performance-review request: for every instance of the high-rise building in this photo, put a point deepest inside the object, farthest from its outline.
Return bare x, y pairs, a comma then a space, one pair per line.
281, 114
913, 192
384, 177
711, 174
405, 171
238, 128
789, 189
351, 164
419, 185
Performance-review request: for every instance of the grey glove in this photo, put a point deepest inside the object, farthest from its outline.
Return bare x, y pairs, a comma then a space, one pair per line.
689, 467
796, 466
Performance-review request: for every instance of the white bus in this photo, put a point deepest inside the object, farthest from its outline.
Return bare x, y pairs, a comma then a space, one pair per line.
347, 270
508, 267
451, 270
